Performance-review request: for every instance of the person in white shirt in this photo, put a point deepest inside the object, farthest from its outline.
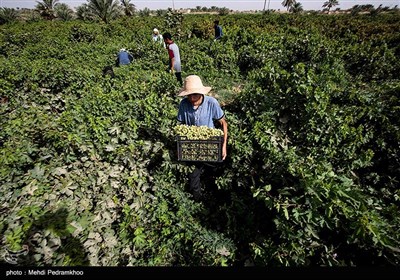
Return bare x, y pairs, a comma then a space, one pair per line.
174, 57
157, 37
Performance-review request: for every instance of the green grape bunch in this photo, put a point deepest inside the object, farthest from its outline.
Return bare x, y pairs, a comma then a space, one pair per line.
193, 132
198, 143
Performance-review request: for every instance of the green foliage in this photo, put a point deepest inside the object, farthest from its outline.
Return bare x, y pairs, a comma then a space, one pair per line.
173, 22
88, 169
79, 34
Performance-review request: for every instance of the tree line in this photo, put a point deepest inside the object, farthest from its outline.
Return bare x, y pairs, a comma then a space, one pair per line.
106, 10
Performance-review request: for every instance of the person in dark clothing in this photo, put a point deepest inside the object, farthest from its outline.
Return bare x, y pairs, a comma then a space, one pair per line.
108, 71
217, 30
123, 58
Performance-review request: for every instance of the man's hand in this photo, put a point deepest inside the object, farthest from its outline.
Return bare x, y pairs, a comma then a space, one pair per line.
224, 152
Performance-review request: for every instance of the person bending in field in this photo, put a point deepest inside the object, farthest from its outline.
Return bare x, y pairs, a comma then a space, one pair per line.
197, 108
123, 58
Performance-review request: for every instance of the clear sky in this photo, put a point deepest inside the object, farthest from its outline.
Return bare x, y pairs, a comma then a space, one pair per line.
230, 4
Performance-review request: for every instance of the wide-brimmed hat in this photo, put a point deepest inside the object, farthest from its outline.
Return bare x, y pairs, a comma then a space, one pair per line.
155, 30
122, 50
193, 84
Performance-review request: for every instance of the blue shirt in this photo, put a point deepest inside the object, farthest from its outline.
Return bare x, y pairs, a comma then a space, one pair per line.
124, 58
208, 111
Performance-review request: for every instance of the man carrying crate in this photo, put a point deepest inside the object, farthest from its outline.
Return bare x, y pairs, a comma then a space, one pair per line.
199, 109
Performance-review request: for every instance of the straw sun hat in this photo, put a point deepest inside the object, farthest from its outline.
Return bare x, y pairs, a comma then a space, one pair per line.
193, 84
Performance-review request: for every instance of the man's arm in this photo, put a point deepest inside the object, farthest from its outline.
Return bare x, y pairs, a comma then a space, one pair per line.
224, 126
173, 65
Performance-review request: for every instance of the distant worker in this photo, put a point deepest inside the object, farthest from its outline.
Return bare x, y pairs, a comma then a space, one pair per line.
123, 57
108, 71
157, 37
174, 57
217, 30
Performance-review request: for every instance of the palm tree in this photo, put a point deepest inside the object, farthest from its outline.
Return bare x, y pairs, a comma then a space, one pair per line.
8, 15
329, 4
64, 12
288, 4
265, 2
84, 13
46, 8
296, 8
129, 8
105, 9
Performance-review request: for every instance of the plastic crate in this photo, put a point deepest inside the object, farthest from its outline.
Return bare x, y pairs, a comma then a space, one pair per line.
209, 150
